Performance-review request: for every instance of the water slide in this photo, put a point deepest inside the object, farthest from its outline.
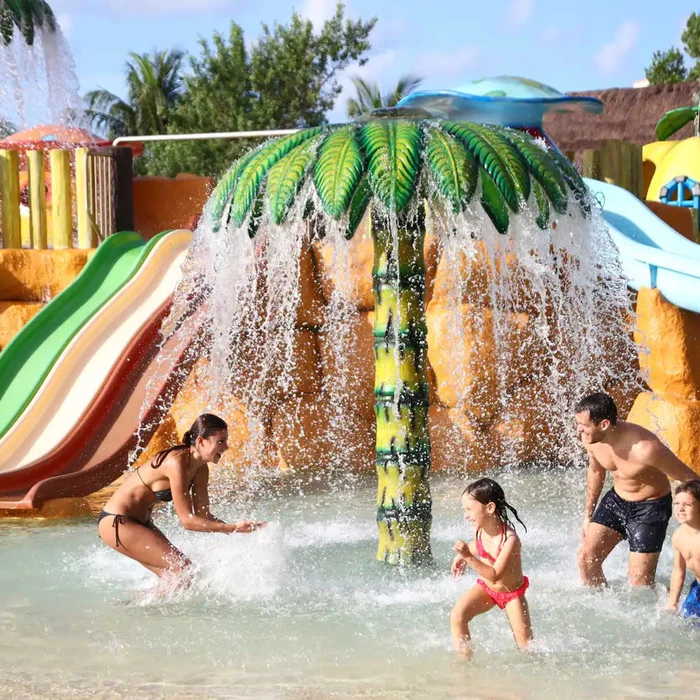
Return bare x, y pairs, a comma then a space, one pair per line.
652, 253
76, 379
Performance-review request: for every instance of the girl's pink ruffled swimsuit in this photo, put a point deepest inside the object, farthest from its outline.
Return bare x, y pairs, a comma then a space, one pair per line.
498, 597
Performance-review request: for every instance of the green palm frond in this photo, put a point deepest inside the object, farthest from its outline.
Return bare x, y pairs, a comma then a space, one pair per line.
358, 205
286, 177
222, 192
368, 96
511, 157
154, 86
393, 150
573, 180
109, 113
454, 168
382, 158
256, 216
543, 166
488, 157
26, 16
338, 169
494, 203
404, 87
542, 219
256, 169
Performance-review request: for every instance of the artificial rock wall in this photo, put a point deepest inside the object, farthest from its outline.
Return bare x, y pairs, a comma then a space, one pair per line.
669, 342
29, 279
478, 435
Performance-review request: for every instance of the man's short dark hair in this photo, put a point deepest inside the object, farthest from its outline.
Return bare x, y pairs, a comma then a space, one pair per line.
600, 406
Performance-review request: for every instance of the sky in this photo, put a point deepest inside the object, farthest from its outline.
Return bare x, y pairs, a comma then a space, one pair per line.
585, 45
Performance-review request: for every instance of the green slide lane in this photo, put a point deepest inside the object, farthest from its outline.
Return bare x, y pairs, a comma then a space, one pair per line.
30, 355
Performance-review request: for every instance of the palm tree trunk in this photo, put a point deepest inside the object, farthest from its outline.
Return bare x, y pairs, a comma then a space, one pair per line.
401, 395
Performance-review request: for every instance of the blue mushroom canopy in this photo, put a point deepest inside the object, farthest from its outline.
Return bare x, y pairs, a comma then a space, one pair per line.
505, 100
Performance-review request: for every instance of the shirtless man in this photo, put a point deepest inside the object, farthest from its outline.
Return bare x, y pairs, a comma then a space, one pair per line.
639, 504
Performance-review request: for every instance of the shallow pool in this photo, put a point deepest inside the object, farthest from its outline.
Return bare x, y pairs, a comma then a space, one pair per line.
302, 610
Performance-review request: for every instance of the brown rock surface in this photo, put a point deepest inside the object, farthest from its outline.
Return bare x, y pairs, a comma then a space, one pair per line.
352, 364
38, 275
676, 422
14, 315
354, 276
309, 432
672, 336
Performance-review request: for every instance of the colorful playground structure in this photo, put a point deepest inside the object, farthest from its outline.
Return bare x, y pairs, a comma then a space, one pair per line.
82, 373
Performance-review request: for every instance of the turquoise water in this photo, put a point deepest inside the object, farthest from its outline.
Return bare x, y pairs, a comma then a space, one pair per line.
302, 610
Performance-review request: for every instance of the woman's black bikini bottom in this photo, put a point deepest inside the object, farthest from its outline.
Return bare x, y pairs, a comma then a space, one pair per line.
121, 519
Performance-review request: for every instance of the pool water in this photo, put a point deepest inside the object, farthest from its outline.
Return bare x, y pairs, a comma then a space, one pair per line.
302, 609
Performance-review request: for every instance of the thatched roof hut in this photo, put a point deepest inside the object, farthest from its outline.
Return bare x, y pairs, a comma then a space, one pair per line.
630, 114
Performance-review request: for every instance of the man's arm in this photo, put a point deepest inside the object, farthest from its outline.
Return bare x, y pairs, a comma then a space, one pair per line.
594, 485
655, 454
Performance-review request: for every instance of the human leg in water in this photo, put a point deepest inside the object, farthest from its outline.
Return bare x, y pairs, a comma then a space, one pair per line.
474, 602
144, 543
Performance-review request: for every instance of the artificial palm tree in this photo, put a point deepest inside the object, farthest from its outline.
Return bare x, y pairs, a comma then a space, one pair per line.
27, 16
369, 97
153, 83
394, 163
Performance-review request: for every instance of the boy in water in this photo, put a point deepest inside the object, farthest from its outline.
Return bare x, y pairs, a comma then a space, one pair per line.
686, 548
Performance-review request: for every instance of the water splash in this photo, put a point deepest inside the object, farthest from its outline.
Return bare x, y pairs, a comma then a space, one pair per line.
39, 83
533, 319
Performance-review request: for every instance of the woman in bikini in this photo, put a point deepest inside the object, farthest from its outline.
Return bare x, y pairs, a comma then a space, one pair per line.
179, 474
494, 554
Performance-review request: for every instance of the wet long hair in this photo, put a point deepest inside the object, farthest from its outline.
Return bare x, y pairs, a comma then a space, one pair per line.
489, 491
205, 426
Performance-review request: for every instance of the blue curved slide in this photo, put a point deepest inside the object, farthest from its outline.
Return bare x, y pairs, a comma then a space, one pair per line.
652, 253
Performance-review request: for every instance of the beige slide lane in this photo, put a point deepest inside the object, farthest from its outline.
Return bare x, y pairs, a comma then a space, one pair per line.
87, 362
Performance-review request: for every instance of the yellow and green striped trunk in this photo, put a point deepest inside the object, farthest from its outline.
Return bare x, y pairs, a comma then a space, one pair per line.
401, 397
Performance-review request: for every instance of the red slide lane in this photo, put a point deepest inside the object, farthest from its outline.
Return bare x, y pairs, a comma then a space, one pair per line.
67, 472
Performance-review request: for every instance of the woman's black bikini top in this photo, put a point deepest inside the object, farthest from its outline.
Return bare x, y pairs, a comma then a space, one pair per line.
165, 495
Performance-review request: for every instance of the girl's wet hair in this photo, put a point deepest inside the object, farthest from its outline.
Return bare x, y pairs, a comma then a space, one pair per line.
692, 487
489, 491
205, 426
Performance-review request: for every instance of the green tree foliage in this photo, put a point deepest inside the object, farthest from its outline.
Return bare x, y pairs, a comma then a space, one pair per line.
691, 42
669, 66
27, 16
287, 78
666, 67
154, 85
369, 98
7, 128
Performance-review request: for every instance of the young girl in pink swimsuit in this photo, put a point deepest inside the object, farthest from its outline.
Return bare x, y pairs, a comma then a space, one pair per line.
494, 554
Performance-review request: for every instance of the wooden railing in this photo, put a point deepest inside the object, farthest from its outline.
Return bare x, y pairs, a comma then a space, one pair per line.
90, 196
